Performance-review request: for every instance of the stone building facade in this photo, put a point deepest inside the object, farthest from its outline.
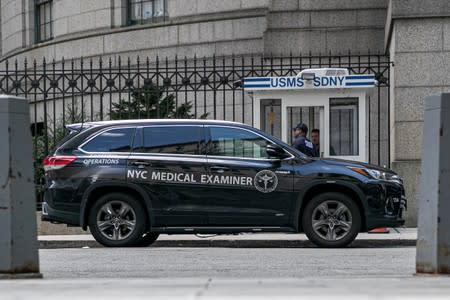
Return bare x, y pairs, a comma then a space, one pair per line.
415, 33
205, 27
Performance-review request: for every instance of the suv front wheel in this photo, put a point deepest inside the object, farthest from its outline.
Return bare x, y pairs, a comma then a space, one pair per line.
117, 220
331, 220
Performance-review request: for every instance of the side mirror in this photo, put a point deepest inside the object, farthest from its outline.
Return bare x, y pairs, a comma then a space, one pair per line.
276, 151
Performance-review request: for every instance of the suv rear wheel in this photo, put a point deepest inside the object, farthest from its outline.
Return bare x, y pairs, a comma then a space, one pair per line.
117, 220
331, 220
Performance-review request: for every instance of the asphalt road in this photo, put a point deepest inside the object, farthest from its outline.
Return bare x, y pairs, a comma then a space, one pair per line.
226, 262
227, 273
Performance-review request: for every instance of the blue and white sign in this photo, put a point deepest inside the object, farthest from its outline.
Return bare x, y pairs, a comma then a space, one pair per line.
296, 82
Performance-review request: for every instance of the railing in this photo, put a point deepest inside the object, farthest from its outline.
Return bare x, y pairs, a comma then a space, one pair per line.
78, 91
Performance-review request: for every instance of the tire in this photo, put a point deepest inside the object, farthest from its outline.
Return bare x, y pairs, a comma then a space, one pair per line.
117, 220
148, 239
331, 220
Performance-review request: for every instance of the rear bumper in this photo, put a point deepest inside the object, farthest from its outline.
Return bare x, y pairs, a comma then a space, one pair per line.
50, 214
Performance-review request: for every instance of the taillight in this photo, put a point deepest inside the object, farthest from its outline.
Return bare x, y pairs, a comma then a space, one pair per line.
57, 162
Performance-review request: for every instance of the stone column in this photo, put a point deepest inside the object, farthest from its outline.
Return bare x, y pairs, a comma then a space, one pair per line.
18, 242
433, 241
418, 40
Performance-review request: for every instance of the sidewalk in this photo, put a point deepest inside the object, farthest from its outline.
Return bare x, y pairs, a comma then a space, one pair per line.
398, 237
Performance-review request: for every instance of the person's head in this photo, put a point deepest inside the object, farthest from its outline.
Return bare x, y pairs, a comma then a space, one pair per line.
315, 136
300, 129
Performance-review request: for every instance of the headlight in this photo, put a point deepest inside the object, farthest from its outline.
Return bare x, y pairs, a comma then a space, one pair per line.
376, 174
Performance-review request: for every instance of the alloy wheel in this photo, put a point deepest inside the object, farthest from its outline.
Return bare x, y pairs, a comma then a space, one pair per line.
116, 220
332, 220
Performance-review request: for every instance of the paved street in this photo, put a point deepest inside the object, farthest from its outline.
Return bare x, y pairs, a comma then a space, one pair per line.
236, 273
226, 262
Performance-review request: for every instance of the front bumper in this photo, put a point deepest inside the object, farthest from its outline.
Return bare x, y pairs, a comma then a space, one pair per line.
387, 204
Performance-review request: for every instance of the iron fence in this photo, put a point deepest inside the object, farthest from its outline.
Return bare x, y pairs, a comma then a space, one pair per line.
62, 92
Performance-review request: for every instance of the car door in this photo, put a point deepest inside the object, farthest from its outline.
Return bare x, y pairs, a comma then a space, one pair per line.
167, 161
247, 188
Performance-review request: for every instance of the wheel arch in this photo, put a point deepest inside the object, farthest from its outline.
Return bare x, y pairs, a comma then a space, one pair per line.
96, 191
348, 189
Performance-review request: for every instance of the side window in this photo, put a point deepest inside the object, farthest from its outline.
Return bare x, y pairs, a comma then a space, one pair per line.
114, 140
171, 139
235, 142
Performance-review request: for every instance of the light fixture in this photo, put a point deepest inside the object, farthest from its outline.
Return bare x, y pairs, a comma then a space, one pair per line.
308, 76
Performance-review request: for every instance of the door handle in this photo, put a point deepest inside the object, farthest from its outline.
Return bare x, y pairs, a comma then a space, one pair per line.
141, 164
219, 169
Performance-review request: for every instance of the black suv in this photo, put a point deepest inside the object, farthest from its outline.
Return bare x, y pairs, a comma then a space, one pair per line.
129, 181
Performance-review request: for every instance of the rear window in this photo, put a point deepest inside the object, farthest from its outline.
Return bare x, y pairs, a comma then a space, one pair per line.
114, 140
67, 137
171, 140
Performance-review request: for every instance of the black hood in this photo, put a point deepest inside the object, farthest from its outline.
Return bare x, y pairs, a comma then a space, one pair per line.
357, 164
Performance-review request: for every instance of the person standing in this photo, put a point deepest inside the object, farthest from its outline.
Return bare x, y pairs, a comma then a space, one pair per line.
315, 139
301, 142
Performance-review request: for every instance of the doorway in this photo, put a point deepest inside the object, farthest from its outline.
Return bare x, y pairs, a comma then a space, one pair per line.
312, 116
340, 118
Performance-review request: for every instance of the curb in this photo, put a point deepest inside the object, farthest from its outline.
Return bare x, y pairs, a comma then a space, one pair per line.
361, 243
21, 276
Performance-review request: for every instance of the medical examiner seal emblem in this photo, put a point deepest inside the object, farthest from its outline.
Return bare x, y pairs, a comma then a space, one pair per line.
266, 181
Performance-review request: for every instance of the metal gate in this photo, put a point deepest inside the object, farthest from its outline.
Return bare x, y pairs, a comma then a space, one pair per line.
88, 90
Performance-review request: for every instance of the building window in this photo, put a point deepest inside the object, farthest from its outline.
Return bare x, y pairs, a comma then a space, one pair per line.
44, 20
344, 126
146, 11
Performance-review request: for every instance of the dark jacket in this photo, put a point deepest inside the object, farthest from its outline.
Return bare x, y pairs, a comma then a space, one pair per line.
304, 145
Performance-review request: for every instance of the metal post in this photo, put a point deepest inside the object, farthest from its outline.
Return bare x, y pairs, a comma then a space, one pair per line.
18, 242
433, 243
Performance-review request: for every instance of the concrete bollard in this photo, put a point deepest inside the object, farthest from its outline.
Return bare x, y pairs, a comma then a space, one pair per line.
18, 242
433, 240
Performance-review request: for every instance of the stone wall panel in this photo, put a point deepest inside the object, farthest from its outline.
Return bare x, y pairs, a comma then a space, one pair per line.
408, 140
419, 36
409, 105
